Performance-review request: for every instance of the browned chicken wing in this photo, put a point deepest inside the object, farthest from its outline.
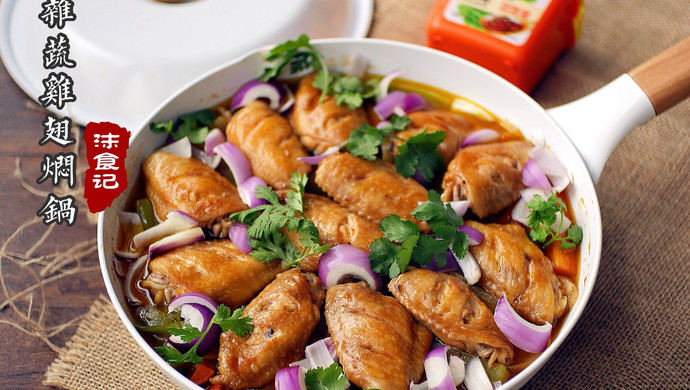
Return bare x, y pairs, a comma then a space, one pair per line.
378, 343
488, 175
188, 184
371, 189
515, 267
215, 268
325, 124
284, 315
453, 313
267, 139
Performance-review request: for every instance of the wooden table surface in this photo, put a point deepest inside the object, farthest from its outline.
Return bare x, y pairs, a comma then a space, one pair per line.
24, 357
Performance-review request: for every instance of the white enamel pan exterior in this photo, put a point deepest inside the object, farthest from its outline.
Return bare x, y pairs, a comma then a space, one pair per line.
435, 68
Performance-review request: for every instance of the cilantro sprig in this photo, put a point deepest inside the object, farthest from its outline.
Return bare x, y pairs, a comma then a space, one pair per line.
389, 259
300, 55
543, 214
194, 125
267, 220
329, 378
234, 322
418, 153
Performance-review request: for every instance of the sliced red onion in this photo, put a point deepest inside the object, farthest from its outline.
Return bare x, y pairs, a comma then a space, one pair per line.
385, 83
419, 386
412, 102
523, 334
319, 355
175, 241
382, 124
256, 89
451, 264
357, 66
460, 206
175, 222
386, 107
238, 235
290, 378
476, 377
552, 168
134, 268
534, 177
213, 139
236, 160
473, 234
480, 137
420, 179
470, 267
198, 316
343, 261
129, 218
289, 101
457, 369
182, 148
212, 161
195, 298
303, 363
438, 375
129, 222
331, 348
247, 189
315, 160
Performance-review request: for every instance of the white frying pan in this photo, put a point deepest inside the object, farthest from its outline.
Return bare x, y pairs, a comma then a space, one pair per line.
582, 134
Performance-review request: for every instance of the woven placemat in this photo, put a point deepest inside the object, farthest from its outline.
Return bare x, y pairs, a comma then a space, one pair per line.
635, 331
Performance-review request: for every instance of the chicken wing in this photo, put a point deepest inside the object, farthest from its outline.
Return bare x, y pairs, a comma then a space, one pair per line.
187, 184
488, 175
371, 189
215, 268
284, 314
378, 343
269, 143
325, 124
453, 313
515, 267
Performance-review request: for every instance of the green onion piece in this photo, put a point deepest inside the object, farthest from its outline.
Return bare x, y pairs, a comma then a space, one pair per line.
145, 210
498, 372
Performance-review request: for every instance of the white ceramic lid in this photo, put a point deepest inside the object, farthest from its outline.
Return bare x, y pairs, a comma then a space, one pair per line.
132, 54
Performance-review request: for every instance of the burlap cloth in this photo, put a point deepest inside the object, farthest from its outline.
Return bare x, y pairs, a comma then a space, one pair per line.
634, 332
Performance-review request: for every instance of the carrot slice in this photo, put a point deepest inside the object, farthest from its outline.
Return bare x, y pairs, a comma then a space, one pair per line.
202, 372
564, 260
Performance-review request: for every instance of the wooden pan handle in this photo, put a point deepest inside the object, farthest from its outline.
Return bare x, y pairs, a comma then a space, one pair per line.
665, 78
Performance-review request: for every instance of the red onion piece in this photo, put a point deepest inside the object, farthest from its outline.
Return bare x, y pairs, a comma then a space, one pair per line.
386, 107
130, 218
473, 234
437, 370
342, 261
476, 377
357, 65
213, 139
552, 168
319, 355
385, 83
134, 268
238, 235
382, 124
470, 267
534, 177
290, 378
315, 160
175, 222
212, 161
457, 369
175, 241
460, 206
198, 316
523, 334
289, 101
195, 298
412, 102
256, 89
451, 264
182, 148
303, 363
236, 160
247, 189
480, 137
331, 348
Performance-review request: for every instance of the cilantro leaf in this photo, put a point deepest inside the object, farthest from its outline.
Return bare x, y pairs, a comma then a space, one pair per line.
543, 214
382, 253
350, 90
398, 229
240, 326
365, 141
194, 125
420, 153
429, 249
266, 222
329, 378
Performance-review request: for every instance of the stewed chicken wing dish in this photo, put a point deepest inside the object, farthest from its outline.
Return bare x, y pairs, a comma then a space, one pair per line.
335, 231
